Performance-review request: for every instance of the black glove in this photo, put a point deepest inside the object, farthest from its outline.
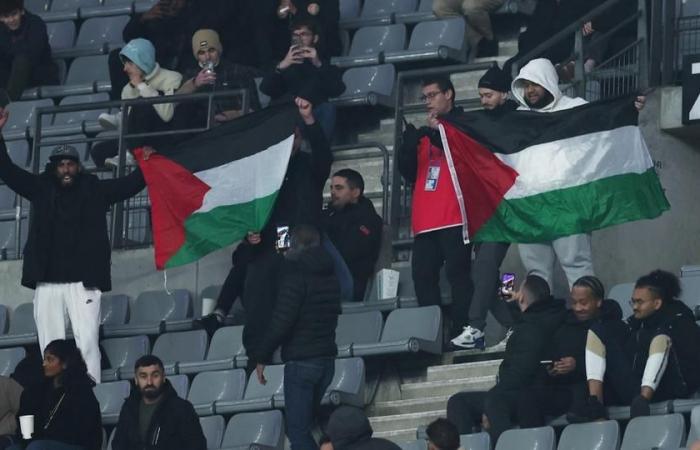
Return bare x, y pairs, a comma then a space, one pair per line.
639, 407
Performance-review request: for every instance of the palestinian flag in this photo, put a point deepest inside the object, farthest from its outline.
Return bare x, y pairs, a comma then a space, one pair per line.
210, 191
534, 177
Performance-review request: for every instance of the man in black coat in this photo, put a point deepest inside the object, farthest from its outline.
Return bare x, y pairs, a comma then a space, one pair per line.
67, 254
354, 227
303, 322
154, 417
348, 428
541, 316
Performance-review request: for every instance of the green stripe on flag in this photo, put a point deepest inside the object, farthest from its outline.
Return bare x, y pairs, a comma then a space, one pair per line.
595, 205
220, 227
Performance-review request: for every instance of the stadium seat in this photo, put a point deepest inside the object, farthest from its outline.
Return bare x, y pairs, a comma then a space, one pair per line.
370, 43
101, 33
622, 294
9, 358
595, 435
61, 35
349, 9
19, 151
358, 328
379, 12
694, 432
226, 351
36, 6
7, 199
209, 387
86, 75
181, 384
690, 294
152, 310
537, 438
114, 309
78, 117
418, 444
433, 41
266, 429
65, 5
22, 329
348, 384
407, 330
123, 353
8, 239
111, 397
667, 431
213, 428
174, 347
22, 116
423, 14
475, 441
371, 303
690, 8
257, 396
371, 85
623, 412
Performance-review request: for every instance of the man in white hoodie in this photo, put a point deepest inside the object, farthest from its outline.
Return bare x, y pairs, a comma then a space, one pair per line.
536, 88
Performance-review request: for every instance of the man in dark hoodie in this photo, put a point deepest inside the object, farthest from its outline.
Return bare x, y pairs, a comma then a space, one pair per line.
348, 428
658, 358
303, 322
493, 410
154, 417
25, 55
354, 227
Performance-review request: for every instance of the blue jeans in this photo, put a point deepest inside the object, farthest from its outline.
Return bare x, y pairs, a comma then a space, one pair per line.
46, 445
305, 382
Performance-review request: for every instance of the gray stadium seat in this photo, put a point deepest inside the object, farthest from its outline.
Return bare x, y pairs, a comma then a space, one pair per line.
358, 328
210, 387
114, 309
423, 14
407, 330
87, 74
78, 117
690, 294
174, 347
213, 428
151, 311
257, 397
686, 405
7, 197
667, 431
111, 397
379, 12
432, 41
9, 358
622, 293
623, 412
475, 441
226, 351
349, 9
181, 384
36, 6
370, 43
595, 435
61, 35
418, 444
100, 31
694, 432
371, 85
63, 5
537, 438
266, 429
19, 151
8, 241
22, 118
348, 384
22, 329
123, 353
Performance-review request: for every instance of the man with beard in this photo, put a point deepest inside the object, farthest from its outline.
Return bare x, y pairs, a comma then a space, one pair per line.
154, 417
67, 254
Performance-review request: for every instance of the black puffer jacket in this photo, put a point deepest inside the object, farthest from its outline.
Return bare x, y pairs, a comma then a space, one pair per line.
306, 313
84, 228
174, 425
30, 40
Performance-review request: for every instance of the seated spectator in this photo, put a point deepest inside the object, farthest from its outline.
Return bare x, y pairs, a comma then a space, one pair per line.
482, 41
146, 80
302, 73
25, 54
10, 392
348, 428
66, 412
354, 227
153, 416
493, 411
442, 435
657, 359
565, 382
326, 14
215, 73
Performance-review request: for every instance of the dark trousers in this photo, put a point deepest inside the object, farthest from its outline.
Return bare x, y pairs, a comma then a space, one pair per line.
6, 441
485, 276
432, 250
465, 409
305, 382
16, 77
537, 403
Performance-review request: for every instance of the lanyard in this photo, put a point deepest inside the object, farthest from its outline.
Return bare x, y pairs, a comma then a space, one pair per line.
53, 411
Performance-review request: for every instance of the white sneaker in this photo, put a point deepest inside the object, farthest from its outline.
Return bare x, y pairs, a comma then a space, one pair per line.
470, 338
109, 121
114, 161
501, 346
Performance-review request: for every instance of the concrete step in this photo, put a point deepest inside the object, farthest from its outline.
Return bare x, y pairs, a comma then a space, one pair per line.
465, 370
397, 436
404, 421
446, 387
413, 405
508, 48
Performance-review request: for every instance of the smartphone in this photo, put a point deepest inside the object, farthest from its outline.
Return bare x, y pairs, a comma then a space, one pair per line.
296, 41
507, 284
4, 99
547, 362
283, 241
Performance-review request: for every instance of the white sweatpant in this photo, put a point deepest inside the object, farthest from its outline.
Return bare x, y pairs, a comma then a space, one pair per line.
573, 252
51, 303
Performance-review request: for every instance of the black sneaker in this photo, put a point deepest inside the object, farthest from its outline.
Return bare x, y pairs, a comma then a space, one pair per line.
639, 407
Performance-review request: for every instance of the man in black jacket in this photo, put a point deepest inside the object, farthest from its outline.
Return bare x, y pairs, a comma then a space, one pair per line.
67, 254
541, 316
25, 54
303, 322
349, 428
154, 417
354, 227
658, 358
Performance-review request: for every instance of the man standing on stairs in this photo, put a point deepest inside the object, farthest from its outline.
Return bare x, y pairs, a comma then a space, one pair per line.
482, 42
436, 217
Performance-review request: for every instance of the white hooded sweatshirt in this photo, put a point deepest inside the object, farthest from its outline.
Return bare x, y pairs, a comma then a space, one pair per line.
542, 72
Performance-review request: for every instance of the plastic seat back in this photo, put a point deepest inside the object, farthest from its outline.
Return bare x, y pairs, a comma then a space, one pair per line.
363, 80
22, 115
448, 33
622, 293
61, 34
227, 342
68, 118
372, 40
665, 431
385, 7
208, 387
423, 323
9, 358
596, 435
123, 352
65, 5
102, 30
359, 328
536, 438
88, 69
213, 429
275, 383
264, 428
114, 309
182, 346
111, 396
154, 306
22, 319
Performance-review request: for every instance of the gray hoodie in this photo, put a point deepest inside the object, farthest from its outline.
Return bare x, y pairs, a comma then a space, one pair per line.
542, 72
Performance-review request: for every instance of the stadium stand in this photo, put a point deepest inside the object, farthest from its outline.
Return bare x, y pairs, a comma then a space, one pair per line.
9, 358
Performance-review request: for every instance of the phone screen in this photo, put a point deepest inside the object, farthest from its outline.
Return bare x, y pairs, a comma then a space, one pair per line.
283, 239
507, 284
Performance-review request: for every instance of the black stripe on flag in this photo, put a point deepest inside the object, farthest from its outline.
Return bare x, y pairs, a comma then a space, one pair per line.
517, 130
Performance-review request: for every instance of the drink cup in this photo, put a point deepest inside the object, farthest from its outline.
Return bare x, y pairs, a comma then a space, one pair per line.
26, 425
208, 306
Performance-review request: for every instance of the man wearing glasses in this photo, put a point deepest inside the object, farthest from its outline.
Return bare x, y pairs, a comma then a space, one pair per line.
658, 359
436, 218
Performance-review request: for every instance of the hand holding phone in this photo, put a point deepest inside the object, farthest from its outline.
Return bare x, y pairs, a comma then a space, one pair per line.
507, 287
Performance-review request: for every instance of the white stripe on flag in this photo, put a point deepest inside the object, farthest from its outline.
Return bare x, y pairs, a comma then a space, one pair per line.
246, 179
578, 160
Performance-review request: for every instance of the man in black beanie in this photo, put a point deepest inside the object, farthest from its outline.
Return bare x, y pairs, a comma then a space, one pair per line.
493, 91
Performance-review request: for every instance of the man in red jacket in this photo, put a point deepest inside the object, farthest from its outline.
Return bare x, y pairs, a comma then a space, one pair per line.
436, 215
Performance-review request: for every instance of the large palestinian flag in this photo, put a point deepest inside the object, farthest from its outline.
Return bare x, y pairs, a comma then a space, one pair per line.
208, 192
534, 177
